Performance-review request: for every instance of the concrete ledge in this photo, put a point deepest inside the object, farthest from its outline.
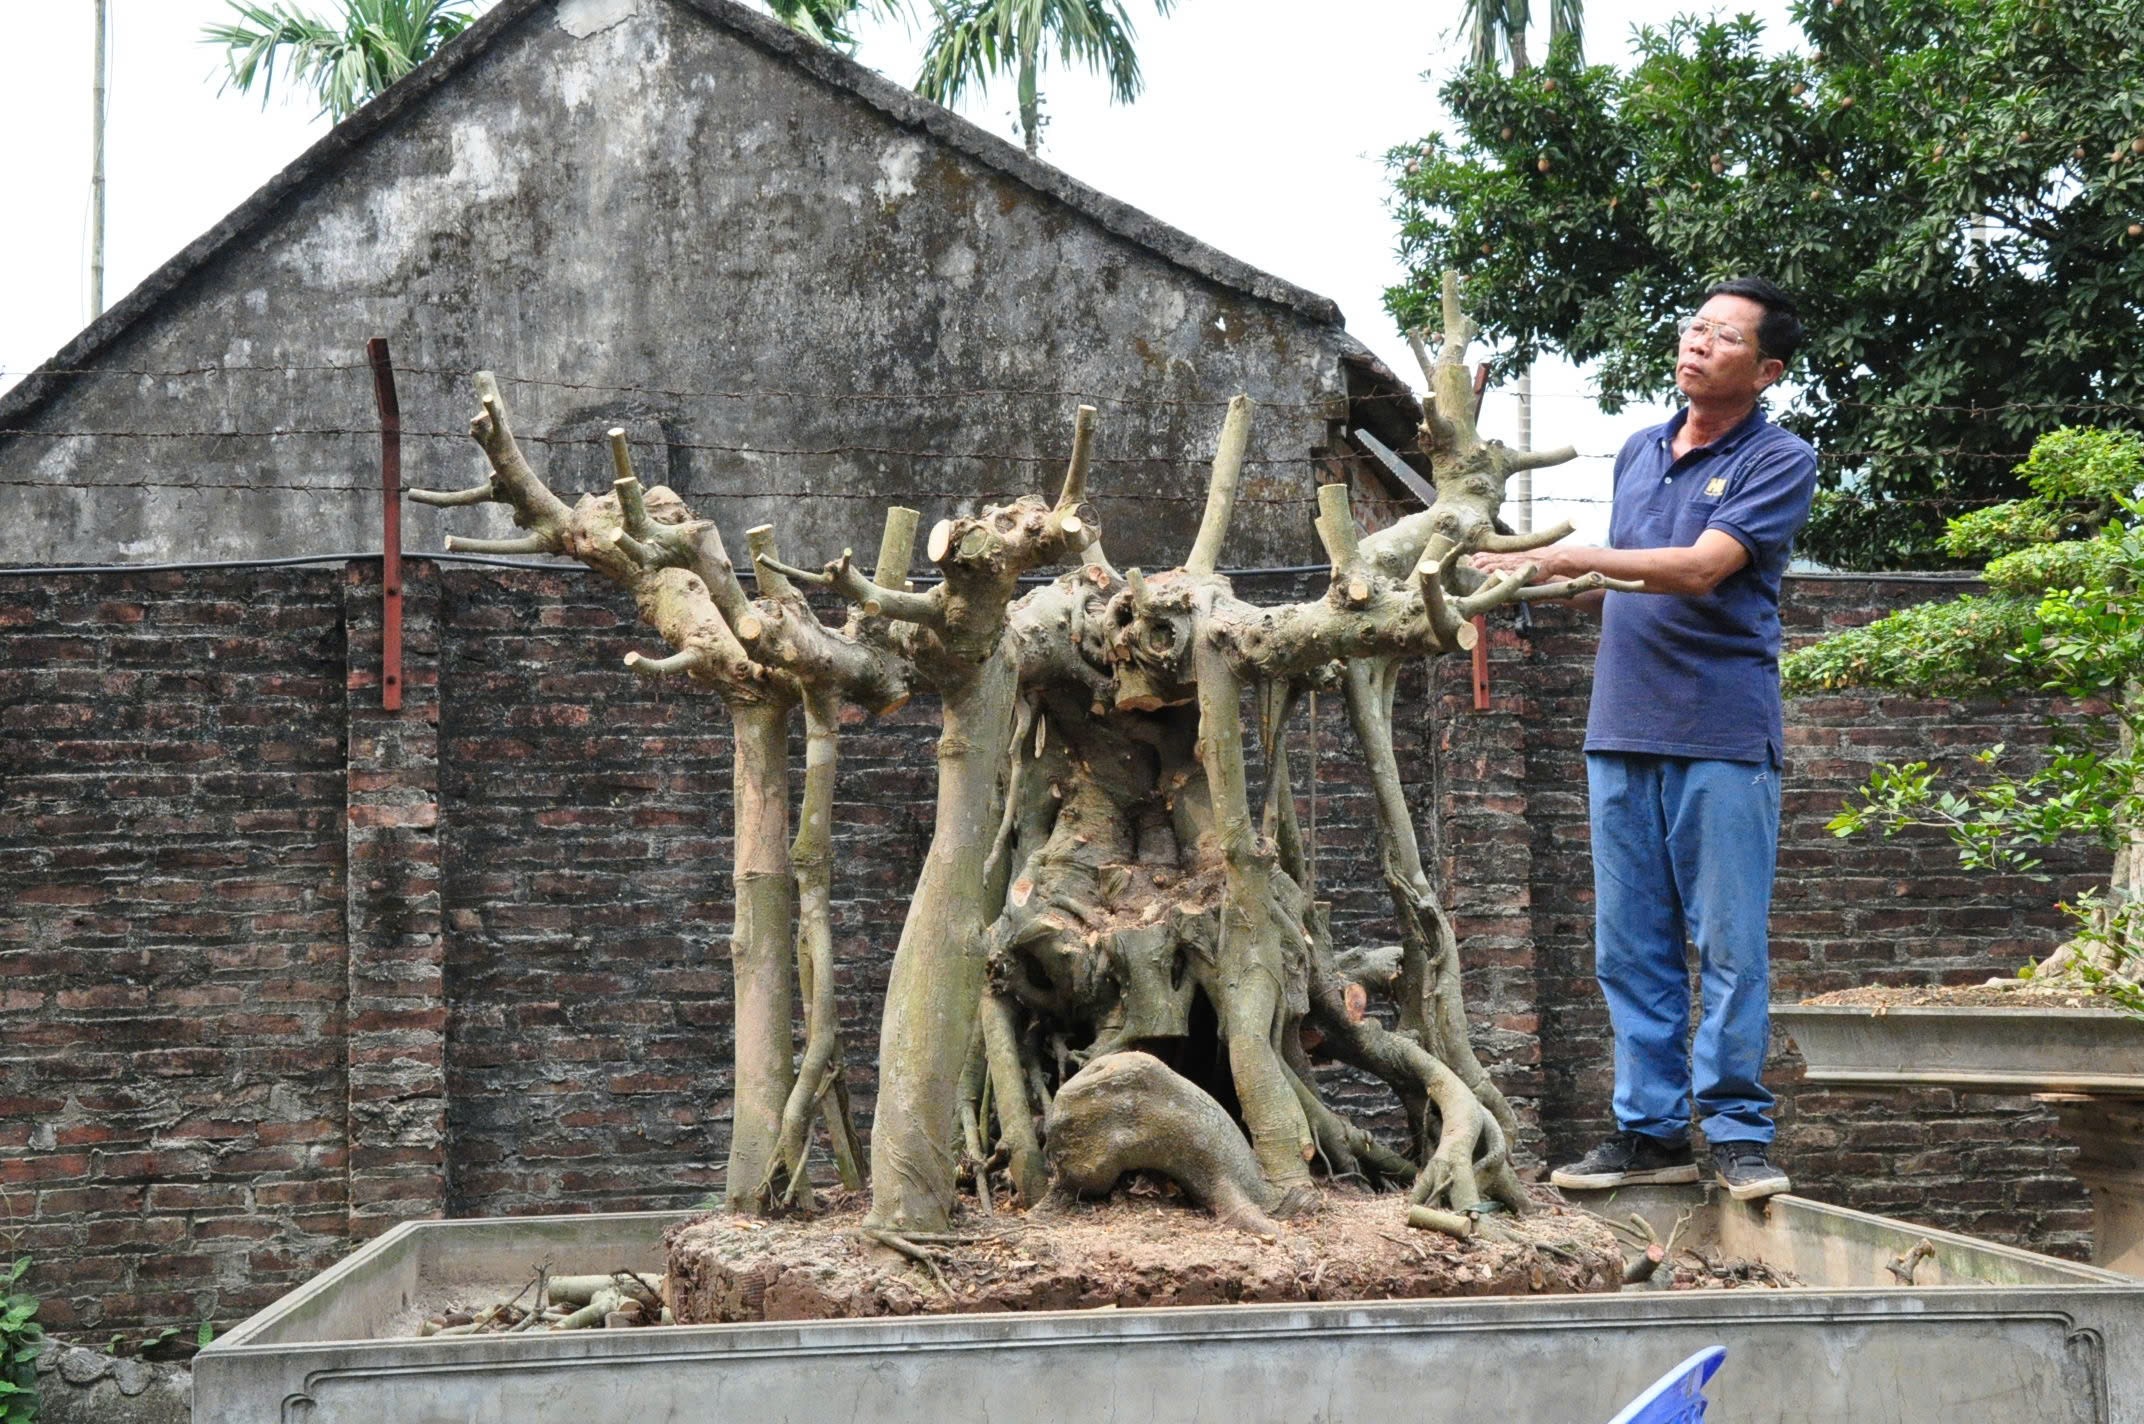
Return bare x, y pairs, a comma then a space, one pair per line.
1983, 1049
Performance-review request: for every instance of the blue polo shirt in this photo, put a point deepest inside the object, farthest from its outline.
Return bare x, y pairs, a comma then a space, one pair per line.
1698, 675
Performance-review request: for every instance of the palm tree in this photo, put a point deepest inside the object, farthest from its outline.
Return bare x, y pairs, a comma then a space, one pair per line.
377, 42
974, 39
1501, 24
827, 21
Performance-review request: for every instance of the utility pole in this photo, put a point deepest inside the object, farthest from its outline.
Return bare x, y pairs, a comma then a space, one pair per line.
96, 174
1523, 482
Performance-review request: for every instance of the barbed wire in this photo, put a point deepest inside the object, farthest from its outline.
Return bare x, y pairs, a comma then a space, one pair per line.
1327, 462
867, 496
1962, 452
731, 394
715, 446
928, 394
974, 495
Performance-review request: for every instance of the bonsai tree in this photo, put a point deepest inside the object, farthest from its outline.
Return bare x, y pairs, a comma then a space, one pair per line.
2064, 613
1115, 957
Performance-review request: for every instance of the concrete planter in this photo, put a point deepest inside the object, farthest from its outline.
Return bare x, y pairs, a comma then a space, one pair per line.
2087, 1063
1990, 1050
1983, 1333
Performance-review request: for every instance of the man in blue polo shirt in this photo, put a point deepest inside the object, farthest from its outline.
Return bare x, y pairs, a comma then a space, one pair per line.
1683, 748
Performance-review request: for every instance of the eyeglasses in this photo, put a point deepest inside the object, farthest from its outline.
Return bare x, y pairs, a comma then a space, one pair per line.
1704, 327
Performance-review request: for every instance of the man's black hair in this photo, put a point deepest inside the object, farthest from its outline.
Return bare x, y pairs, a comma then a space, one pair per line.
1779, 334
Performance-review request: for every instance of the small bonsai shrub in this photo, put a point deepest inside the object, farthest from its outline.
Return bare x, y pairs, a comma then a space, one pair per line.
2064, 613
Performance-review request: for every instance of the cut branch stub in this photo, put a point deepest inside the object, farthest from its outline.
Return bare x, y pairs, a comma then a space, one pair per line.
1075, 486
484, 493
682, 661
1221, 488
1495, 543
766, 563
895, 547
534, 506
507, 548
1336, 531
631, 507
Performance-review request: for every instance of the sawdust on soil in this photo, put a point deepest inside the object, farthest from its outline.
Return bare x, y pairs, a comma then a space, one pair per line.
1140, 1247
2002, 994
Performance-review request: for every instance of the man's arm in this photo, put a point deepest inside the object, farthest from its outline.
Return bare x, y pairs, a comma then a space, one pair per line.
1696, 569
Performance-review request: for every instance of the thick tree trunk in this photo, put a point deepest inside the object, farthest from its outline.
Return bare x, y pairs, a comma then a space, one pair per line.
760, 948
812, 855
1251, 974
937, 981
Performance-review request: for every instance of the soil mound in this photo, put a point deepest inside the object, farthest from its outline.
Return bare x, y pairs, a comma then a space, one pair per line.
1140, 1247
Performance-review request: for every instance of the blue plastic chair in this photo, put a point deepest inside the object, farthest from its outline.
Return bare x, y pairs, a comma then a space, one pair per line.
1679, 1396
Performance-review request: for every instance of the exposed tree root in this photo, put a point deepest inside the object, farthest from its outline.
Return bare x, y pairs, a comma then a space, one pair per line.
1127, 1112
894, 1241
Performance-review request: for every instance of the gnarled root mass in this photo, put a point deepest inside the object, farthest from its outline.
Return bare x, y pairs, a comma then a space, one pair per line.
1127, 1112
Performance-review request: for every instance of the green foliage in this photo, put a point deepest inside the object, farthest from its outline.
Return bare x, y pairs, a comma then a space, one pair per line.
2045, 568
1957, 649
1589, 205
828, 21
22, 1340
2003, 528
1497, 28
2085, 469
2064, 614
121, 1345
971, 40
2078, 478
2067, 617
1996, 826
345, 61
2107, 933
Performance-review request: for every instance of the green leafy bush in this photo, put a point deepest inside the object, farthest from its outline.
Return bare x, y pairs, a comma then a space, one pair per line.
22, 1339
2065, 614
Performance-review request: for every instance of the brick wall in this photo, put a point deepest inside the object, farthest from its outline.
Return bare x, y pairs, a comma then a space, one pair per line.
172, 1076
587, 899
282, 969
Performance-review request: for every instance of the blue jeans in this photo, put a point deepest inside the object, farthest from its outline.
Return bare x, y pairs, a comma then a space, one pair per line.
1684, 846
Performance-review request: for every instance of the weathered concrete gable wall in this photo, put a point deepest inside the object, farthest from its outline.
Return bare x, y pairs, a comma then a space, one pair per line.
663, 219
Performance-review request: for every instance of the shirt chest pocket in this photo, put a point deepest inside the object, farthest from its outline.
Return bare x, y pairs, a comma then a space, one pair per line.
1700, 505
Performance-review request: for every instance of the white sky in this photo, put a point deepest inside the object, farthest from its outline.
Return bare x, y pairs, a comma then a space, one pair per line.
1261, 132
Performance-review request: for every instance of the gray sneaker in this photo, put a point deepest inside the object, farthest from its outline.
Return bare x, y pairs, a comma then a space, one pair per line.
1746, 1170
1626, 1159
